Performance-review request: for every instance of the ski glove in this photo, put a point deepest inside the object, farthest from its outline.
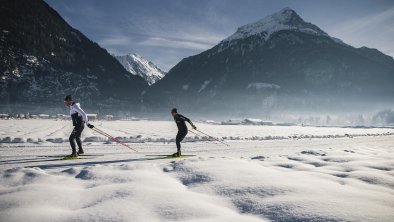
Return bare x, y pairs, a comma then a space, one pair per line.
90, 126
194, 127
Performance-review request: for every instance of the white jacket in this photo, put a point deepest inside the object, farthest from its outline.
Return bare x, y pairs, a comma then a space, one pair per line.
76, 108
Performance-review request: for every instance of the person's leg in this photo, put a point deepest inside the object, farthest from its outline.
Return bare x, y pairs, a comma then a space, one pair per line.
179, 137
72, 141
78, 139
178, 141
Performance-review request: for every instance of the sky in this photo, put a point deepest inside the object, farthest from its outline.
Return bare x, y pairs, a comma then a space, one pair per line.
166, 31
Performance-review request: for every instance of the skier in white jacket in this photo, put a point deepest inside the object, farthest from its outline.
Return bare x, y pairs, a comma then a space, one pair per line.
78, 117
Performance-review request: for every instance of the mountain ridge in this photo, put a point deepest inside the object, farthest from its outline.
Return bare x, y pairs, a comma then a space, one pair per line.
137, 65
290, 67
44, 59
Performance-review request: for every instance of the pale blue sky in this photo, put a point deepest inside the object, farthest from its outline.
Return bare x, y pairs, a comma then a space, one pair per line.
165, 31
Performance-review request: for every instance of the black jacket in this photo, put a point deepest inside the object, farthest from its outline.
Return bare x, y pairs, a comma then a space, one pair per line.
180, 122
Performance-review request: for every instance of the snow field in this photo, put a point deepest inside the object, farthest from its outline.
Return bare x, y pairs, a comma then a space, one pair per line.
319, 179
51, 131
107, 193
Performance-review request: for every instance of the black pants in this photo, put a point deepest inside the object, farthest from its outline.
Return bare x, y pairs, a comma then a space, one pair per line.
76, 136
179, 137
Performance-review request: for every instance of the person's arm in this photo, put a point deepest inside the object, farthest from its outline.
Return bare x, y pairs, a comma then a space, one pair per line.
188, 120
83, 114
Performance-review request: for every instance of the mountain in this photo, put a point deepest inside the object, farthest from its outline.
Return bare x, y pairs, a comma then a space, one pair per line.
43, 59
139, 66
279, 62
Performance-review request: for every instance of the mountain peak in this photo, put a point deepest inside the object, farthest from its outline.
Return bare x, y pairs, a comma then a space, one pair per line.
286, 13
287, 10
138, 65
134, 55
285, 19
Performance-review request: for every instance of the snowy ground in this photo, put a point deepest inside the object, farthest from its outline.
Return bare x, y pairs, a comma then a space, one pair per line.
269, 173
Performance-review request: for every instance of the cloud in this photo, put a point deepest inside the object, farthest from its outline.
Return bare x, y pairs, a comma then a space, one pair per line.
162, 42
193, 41
115, 40
375, 31
185, 28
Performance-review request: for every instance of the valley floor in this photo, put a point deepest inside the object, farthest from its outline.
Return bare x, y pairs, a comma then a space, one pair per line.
268, 173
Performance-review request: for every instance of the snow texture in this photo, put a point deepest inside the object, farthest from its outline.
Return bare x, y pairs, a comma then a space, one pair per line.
319, 179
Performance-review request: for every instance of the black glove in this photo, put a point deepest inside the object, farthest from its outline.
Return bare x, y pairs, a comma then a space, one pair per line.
90, 126
194, 127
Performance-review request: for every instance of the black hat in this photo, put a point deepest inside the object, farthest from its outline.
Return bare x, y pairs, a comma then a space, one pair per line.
68, 98
174, 110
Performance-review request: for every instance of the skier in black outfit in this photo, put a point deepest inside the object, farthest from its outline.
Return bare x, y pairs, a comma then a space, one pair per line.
182, 129
78, 117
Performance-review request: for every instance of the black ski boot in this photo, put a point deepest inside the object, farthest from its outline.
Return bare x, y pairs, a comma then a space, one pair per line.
177, 154
73, 155
80, 152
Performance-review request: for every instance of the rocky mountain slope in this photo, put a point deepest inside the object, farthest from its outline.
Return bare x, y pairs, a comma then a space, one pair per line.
139, 66
43, 59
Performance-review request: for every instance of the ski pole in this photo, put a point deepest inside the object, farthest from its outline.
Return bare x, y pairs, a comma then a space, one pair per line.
200, 135
112, 138
209, 138
212, 137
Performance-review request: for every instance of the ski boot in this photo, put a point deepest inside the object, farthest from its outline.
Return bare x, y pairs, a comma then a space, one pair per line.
177, 154
80, 152
70, 157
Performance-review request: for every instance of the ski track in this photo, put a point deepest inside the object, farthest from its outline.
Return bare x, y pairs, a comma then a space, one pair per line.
323, 179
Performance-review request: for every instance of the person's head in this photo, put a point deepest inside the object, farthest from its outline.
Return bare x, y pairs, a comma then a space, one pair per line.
174, 111
68, 101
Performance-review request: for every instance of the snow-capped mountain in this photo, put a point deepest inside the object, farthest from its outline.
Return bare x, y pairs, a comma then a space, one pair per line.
137, 65
285, 19
280, 60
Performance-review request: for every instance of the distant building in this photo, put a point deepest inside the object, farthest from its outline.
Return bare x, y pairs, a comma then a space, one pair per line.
252, 122
92, 117
4, 116
232, 122
257, 122
109, 117
213, 122
62, 116
44, 116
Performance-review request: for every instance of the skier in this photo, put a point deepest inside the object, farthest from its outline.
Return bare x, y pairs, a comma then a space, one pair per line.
182, 129
78, 117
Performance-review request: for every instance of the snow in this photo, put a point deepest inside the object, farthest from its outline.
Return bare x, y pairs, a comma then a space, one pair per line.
204, 85
31, 59
285, 19
141, 131
137, 65
294, 179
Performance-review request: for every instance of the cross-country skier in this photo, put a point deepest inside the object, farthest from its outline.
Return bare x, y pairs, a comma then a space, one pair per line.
182, 129
78, 117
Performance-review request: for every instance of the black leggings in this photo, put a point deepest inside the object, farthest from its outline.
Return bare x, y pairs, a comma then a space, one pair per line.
179, 137
76, 136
